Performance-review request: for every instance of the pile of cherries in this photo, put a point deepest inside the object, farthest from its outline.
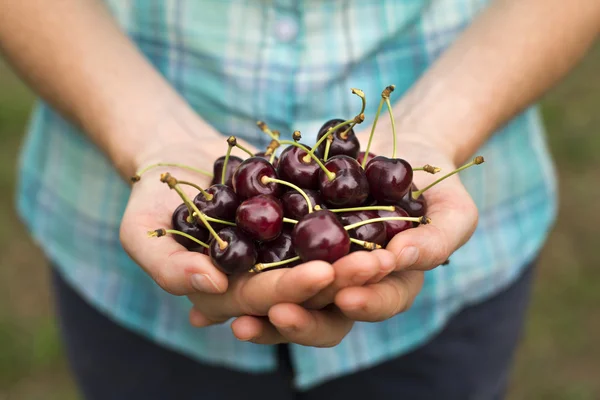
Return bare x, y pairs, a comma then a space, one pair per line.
320, 203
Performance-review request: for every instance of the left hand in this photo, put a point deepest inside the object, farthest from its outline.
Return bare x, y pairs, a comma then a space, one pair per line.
391, 291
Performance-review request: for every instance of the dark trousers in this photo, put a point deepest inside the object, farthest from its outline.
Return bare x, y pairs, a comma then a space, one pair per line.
469, 359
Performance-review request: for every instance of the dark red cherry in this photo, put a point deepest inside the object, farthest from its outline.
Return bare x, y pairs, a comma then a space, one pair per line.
389, 179
294, 204
361, 156
348, 145
260, 217
392, 228
278, 250
320, 236
180, 223
247, 179
374, 232
223, 204
294, 169
240, 254
268, 158
415, 207
232, 164
349, 188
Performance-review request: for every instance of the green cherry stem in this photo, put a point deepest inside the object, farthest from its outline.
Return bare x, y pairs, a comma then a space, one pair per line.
420, 220
428, 168
215, 220
476, 161
389, 107
267, 179
263, 127
232, 141
327, 147
265, 266
366, 245
327, 172
163, 232
289, 220
138, 176
272, 158
206, 195
361, 115
386, 93
173, 184
366, 208
226, 161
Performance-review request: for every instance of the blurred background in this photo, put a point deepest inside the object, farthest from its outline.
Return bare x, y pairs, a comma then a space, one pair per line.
559, 357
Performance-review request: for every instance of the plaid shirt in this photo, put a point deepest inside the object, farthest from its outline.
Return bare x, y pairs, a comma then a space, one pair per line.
289, 63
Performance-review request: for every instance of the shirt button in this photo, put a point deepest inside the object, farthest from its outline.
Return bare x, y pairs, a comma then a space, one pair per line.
286, 29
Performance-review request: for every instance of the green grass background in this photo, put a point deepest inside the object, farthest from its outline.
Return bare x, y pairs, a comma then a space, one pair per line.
559, 357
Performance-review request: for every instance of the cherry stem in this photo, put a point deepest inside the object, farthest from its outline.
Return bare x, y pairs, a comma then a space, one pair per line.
267, 179
366, 208
229, 147
216, 220
265, 266
366, 245
428, 168
263, 127
389, 107
329, 133
138, 176
361, 115
327, 147
420, 220
206, 195
289, 220
327, 172
163, 232
272, 158
173, 184
388, 89
239, 146
271, 148
476, 161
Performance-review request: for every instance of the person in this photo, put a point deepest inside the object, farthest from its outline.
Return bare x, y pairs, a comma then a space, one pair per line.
125, 84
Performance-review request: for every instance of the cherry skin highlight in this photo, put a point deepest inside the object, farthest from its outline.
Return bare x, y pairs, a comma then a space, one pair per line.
392, 228
389, 179
223, 204
294, 204
294, 169
232, 164
260, 217
278, 250
349, 146
320, 236
374, 232
414, 207
247, 179
238, 257
179, 222
349, 188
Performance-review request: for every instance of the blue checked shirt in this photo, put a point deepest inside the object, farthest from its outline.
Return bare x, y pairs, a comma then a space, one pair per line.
289, 63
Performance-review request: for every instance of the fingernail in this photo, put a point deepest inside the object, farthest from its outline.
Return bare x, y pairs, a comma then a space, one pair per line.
407, 257
203, 283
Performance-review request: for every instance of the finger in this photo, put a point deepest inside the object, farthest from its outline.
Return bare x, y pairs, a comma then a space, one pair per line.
199, 320
353, 270
256, 330
381, 301
256, 294
316, 328
174, 268
453, 220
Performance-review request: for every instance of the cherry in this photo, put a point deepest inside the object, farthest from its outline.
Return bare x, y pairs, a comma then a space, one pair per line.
260, 217
361, 157
389, 179
232, 165
348, 187
393, 227
414, 207
247, 179
374, 232
219, 201
294, 167
320, 236
278, 250
179, 221
294, 204
263, 154
238, 256
344, 141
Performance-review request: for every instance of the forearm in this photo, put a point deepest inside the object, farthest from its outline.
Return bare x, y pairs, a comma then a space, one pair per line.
512, 53
72, 54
